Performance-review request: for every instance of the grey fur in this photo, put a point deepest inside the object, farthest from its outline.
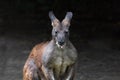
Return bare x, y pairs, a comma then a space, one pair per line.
57, 60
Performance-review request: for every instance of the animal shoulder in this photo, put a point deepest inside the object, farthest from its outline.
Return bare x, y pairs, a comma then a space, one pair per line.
37, 51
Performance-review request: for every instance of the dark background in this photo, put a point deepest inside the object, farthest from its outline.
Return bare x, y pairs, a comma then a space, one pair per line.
95, 30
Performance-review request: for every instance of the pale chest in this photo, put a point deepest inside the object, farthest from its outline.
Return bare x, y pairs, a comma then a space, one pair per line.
61, 60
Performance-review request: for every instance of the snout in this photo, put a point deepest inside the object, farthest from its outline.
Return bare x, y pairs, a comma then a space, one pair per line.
61, 39
61, 43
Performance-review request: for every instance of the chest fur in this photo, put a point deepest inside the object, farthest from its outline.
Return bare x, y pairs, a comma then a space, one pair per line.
61, 60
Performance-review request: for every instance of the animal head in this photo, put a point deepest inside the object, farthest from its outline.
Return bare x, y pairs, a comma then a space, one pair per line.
60, 31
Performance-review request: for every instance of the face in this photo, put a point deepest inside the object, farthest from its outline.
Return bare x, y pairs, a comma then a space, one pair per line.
60, 35
60, 31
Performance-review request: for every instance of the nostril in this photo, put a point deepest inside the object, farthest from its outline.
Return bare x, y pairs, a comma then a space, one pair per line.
60, 43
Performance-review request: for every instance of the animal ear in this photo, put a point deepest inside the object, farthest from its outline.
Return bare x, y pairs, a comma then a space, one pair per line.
67, 19
55, 22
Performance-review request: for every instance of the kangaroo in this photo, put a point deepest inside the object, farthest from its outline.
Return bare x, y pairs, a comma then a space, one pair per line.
56, 59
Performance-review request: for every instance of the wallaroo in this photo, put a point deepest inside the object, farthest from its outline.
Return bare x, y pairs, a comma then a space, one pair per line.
56, 59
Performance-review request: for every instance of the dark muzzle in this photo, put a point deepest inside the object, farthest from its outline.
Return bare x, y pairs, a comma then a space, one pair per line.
61, 43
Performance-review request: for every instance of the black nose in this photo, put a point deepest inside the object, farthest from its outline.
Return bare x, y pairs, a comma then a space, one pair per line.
61, 43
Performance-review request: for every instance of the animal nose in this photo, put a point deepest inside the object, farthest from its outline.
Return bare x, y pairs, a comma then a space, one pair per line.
61, 43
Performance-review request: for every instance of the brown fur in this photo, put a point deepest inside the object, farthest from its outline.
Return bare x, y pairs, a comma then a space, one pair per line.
37, 52
35, 59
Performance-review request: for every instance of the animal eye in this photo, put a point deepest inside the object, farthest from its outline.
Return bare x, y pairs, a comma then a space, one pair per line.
66, 32
56, 32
